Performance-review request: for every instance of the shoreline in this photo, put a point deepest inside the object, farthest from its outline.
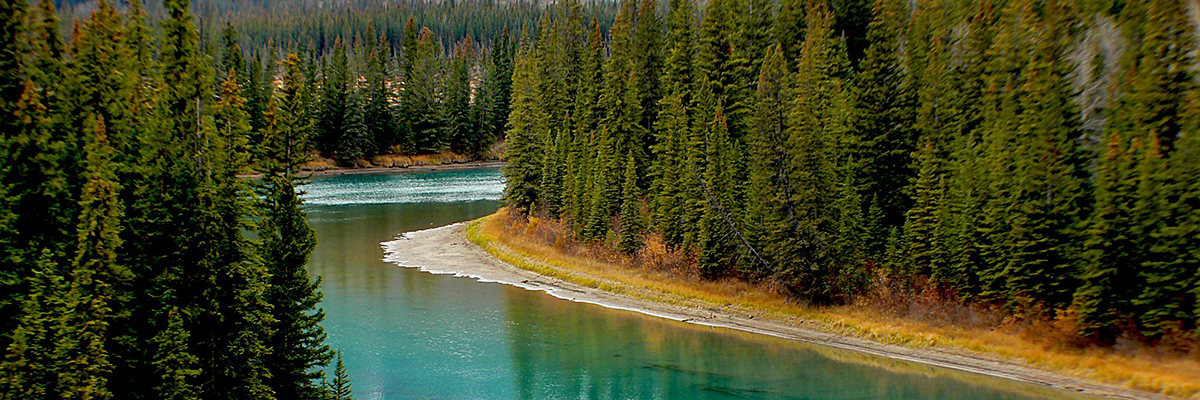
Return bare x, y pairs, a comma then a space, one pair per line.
447, 251
339, 171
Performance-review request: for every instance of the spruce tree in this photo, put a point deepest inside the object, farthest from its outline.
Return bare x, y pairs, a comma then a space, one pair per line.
91, 300
523, 149
1108, 272
421, 108
717, 240
1050, 177
672, 127
769, 190
816, 128
31, 362
886, 123
355, 141
339, 388
295, 339
631, 209
925, 247
377, 112
335, 100
460, 129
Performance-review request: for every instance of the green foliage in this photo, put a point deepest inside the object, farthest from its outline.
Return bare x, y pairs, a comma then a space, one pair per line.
421, 112
632, 225
524, 168
885, 123
339, 388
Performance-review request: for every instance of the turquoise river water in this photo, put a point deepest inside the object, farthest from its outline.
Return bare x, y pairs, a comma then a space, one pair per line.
406, 334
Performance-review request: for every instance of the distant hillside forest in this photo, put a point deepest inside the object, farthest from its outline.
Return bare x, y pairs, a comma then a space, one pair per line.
408, 77
1038, 156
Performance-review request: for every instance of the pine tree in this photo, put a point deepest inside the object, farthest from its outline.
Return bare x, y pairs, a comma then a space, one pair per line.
499, 86
173, 364
925, 246
789, 29
377, 112
769, 191
717, 242
421, 108
11, 74
886, 122
31, 364
586, 117
631, 209
1001, 111
339, 389
816, 127
335, 100
460, 130
523, 150
1174, 266
672, 126
296, 338
1110, 254
355, 141
648, 63
1050, 179
91, 296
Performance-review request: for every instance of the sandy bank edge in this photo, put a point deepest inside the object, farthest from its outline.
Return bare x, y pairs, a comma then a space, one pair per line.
447, 251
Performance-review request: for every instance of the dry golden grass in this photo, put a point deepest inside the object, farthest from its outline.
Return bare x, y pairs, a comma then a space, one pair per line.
401, 161
657, 274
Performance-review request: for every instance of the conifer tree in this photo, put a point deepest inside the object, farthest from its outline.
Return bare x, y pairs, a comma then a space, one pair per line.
1174, 267
925, 247
1108, 279
816, 126
30, 365
523, 150
886, 123
355, 142
1001, 111
296, 338
586, 117
335, 100
631, 209
421, 109
91, 297
339, 388
648, 63
672, 126
717, 243
377, 112
499, 86
460, 130
173, 365
1050, 184
769, 191
789, 29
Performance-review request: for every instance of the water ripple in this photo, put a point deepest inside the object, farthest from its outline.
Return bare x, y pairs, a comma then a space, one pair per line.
408, 187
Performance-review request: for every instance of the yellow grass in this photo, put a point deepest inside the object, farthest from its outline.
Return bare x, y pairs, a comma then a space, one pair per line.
401, 161
1142, 369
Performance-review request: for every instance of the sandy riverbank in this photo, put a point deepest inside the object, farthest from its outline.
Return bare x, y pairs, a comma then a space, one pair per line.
446, 250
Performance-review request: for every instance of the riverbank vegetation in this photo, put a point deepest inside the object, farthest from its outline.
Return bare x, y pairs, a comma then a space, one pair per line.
655, 274
1026, 162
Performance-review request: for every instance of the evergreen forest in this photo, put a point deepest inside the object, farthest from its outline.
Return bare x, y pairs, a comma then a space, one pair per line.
1038, 157
153, 241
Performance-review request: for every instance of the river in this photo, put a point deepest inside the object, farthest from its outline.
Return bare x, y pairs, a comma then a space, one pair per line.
406, 334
